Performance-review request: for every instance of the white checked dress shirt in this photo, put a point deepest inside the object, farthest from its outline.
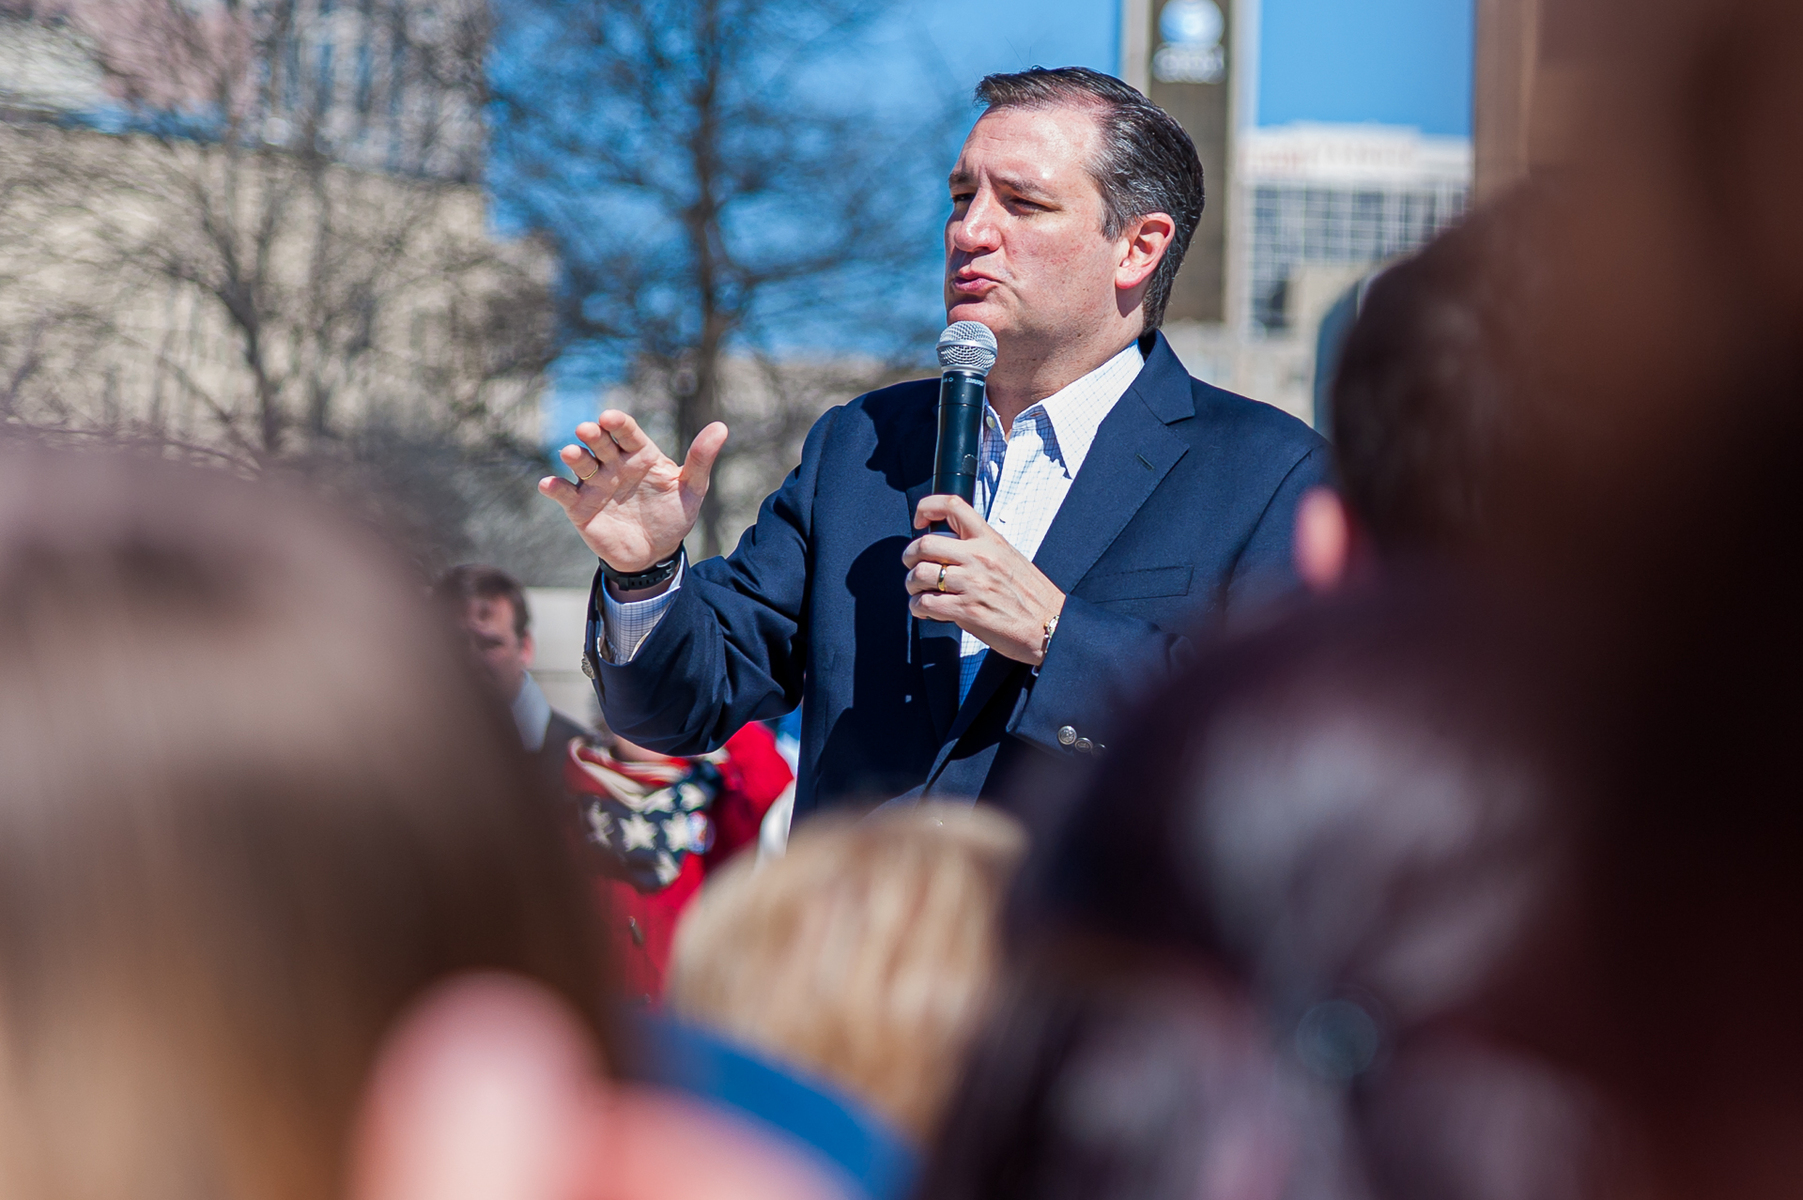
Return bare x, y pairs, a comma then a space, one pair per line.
1022, 479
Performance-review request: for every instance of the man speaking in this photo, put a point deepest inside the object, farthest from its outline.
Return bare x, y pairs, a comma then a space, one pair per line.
1118, 500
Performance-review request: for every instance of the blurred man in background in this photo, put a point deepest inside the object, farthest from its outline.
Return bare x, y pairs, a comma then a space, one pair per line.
650, 823
1427, 409
491, 606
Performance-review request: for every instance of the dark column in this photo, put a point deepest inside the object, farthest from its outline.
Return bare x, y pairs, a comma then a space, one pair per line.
1193, 81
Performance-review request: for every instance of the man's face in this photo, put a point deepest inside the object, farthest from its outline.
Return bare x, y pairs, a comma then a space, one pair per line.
505, 654
1024, 251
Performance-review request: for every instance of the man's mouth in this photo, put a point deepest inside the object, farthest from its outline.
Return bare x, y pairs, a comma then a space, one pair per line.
973, 285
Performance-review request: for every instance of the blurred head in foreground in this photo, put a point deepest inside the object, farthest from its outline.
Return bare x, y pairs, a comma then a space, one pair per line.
1278, 949
254, 811
866, 954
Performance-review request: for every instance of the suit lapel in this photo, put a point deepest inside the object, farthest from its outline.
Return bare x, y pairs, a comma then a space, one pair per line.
1131, 455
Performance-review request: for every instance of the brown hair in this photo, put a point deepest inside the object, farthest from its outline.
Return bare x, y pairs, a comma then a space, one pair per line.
865, 954
251, 806
1431, 392
466, 583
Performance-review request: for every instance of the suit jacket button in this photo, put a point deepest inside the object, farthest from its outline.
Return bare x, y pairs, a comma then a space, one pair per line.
588, 668
1066, 735
1084, 746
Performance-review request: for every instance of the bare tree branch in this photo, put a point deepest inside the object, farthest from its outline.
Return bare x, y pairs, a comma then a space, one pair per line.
729, 240
266, 237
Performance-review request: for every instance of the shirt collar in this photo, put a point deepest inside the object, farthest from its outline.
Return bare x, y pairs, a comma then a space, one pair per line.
532, 713
1077, 409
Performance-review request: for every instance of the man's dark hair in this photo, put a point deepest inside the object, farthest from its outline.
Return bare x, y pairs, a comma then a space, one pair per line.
1147, 162
1428, 393
466, 583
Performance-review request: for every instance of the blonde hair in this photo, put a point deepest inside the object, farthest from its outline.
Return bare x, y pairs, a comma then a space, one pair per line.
866, 954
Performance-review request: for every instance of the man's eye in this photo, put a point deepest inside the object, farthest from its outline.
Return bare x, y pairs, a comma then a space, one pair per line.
961, 197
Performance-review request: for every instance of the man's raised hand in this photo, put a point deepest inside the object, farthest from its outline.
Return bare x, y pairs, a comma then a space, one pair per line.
633, 505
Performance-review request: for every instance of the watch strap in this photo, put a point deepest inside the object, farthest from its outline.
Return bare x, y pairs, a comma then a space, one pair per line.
658, 572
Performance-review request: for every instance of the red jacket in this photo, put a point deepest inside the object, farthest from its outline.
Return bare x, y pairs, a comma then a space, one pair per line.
641, 920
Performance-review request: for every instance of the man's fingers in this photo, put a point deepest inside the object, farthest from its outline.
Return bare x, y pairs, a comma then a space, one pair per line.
935, 547
965, 520
704, 451
559, 489
930, 509
931, 606
624, 430
604, 449
925, 578
581, 463
954, 510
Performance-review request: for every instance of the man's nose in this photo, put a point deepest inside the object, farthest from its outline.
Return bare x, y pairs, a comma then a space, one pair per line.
977, 230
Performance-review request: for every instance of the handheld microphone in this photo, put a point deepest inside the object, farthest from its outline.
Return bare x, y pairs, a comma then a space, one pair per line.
966, 353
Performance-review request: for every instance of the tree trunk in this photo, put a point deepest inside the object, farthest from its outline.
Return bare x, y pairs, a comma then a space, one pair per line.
702, 406
696, 411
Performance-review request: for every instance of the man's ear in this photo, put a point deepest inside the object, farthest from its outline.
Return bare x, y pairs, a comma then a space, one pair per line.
528, 649
1145, 242
1323, 541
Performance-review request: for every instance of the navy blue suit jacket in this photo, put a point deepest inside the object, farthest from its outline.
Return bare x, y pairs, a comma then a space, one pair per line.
1182, 512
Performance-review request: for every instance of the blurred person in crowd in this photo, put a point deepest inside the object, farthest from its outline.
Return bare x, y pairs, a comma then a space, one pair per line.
1659, 507
1427, 409
489, 1087
1302, 940
652, 823
1118, 500
1675, 392
1635, 1032
491, 606
865, 955
264, 839
1117, 1078
658, 826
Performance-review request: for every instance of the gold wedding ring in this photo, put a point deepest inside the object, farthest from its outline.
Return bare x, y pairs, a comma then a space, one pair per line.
590, 475
942, 567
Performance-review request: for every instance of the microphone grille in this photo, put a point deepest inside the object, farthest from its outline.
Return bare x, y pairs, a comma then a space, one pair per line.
967, 344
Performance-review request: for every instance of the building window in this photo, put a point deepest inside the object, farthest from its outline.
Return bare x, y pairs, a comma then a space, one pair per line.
1296, 224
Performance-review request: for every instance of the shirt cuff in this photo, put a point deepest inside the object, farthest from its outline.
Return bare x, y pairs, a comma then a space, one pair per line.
625, 624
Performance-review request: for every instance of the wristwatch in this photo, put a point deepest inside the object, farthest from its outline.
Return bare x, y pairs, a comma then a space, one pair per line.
1051, 627
651, 576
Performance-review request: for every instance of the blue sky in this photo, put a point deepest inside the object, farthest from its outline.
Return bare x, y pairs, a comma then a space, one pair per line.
919, 53
975, 37
1402, 62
